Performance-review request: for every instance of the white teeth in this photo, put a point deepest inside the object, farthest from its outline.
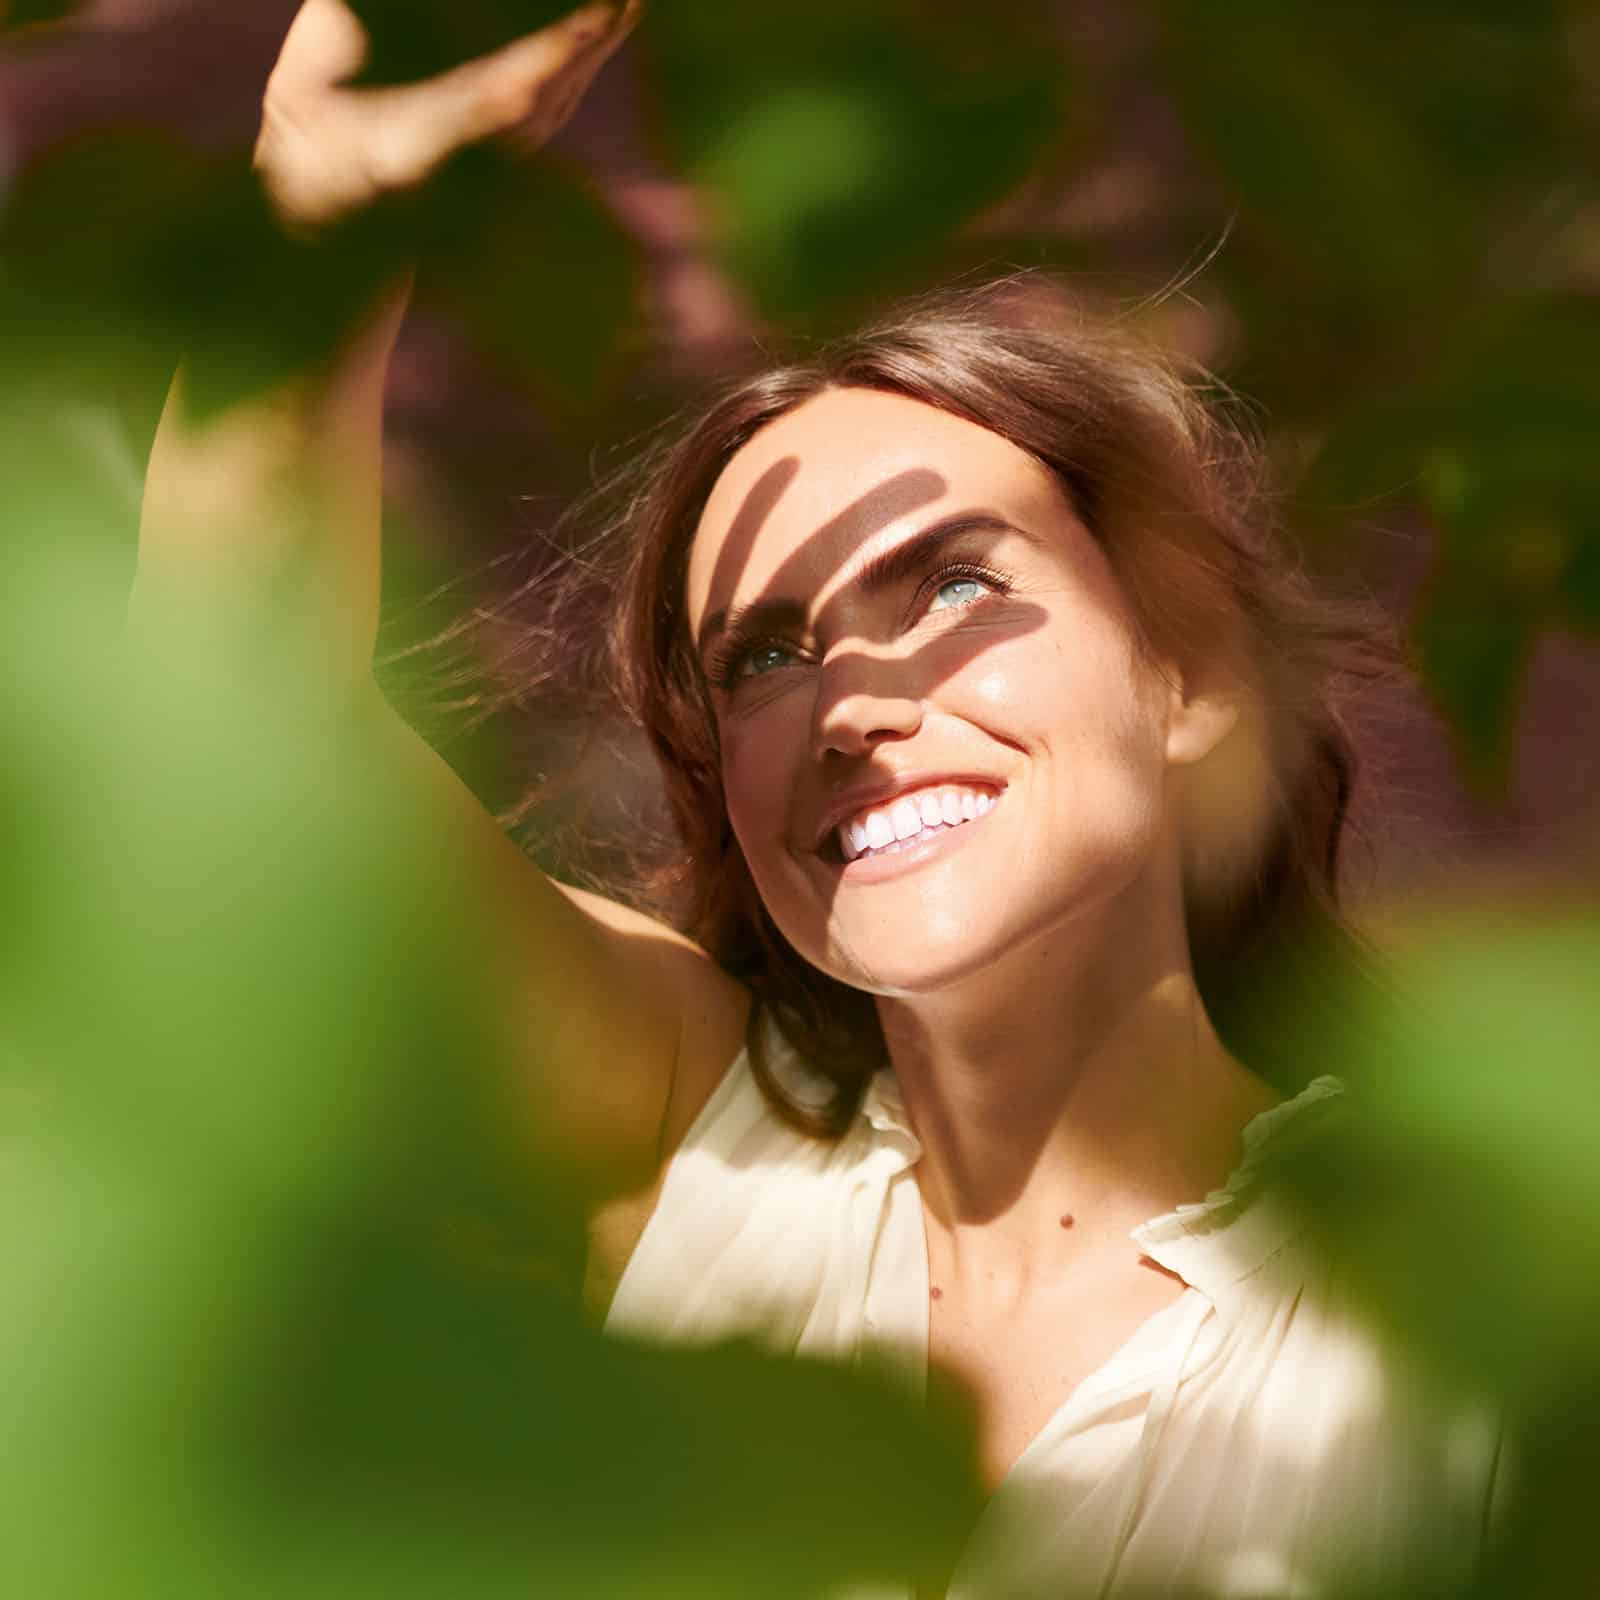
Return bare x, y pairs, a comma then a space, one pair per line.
911, 818
906, 818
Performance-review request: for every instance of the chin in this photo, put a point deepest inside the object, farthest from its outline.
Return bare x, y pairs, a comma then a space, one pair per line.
906, 967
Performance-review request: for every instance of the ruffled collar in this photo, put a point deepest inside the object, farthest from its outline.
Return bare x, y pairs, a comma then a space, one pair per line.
1270, 1133
884, 1107
1210, 1243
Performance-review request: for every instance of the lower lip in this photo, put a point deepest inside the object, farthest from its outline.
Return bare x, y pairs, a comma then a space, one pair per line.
892, 863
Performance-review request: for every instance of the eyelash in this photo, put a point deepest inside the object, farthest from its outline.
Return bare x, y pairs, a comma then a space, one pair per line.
724, 669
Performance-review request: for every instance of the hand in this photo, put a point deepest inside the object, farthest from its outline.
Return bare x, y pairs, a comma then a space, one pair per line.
326, 151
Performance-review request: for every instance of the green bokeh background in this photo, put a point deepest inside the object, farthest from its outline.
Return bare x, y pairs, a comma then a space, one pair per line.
253, 1338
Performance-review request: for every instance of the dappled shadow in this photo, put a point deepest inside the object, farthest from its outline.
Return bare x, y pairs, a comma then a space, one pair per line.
866, 651
783, 602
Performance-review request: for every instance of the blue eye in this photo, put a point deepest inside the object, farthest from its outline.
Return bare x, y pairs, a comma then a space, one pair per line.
760, 659
956, 592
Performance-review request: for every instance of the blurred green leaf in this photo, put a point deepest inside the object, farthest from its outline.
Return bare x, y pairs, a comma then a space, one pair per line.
540, 274
1317, 153
1515, 403
1494, 442
1374, 158
1386, 164
19, 13
126, 249
1461, 1200
839, 145
414, 39
285, 1307
1465, 1190
1473, 643
1581, 586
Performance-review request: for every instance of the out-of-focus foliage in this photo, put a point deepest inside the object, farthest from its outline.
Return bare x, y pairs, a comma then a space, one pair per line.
1415, 198
123, 248
1409, 194
412, 39
1464, 1194
1473, 1156
253, 1335
285, 1305
557, 318
838, 143
18, 13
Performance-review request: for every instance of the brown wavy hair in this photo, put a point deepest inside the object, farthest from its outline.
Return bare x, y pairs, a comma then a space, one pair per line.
1162, 470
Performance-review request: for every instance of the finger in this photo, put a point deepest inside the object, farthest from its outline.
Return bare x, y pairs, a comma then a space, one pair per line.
575, 82
632, 12
523, 82
325, 44
556, 101
413, 128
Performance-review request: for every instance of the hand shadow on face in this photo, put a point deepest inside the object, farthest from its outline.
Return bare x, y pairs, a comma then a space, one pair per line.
912, 675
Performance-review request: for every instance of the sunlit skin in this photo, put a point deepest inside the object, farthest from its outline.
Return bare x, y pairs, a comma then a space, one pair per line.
1031, 966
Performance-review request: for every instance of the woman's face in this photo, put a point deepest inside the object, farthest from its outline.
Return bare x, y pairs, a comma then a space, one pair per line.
940, 744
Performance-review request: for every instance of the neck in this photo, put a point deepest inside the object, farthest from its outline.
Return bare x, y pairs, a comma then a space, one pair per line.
1094, 1088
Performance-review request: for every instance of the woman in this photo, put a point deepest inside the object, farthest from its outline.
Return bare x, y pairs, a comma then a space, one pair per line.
989, 718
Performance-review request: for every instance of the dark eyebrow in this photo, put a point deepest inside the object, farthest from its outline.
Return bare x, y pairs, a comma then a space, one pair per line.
882, 571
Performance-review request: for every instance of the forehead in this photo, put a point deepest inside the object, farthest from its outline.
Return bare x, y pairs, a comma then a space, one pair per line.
847, 474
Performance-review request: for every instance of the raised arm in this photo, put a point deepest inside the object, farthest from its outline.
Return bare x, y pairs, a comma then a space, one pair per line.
294, 478
620, 1026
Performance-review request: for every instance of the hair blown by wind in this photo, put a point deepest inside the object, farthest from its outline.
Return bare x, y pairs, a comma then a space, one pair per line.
1159, 466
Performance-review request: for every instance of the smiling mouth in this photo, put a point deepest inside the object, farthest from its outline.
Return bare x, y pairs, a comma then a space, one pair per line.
910, 820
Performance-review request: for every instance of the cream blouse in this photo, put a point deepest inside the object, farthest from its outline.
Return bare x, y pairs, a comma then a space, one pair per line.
1249, 1439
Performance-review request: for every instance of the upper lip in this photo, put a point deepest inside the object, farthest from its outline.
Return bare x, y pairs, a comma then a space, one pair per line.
863, 796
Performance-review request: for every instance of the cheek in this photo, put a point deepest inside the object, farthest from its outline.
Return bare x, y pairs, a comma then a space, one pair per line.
1087, 702
758, 759
1039, 689
759, 777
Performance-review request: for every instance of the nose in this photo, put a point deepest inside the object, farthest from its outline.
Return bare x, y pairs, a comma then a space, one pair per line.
860, 704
